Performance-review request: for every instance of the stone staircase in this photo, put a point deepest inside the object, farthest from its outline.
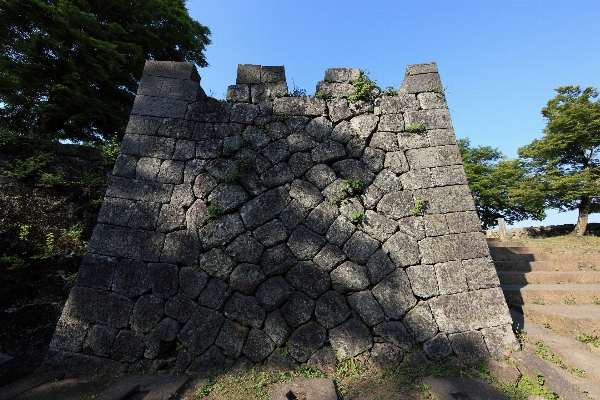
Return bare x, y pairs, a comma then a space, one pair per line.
554, 296
557, 289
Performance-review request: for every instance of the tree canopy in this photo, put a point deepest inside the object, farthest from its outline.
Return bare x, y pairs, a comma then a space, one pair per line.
69, 68
494, 181
565, 160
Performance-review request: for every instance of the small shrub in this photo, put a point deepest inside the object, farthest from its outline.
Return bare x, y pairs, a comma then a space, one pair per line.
437, 89
419, 207
587, 338
351, 186
297, 92
362, 88
8, 140
570, 302
47, 248
282, 117
26, 168
579, 372
213, 212
24, 231
110, 150
73, 233
390, 91
13, 263
357, 217
49, 180
244, 164
322, 95
415, 128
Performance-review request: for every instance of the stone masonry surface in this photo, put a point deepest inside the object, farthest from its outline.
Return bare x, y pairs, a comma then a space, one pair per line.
238, 229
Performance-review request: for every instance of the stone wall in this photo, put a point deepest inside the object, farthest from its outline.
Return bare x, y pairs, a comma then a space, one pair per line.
593, 229
275, 229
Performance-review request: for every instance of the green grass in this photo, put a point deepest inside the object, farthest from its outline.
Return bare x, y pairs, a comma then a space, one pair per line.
587, 338
415, 128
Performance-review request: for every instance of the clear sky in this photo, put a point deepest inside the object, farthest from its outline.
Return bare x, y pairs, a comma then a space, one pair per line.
498, 60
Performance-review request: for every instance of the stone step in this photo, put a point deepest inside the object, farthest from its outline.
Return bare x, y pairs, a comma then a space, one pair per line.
527, 266
557, 277
569, 321
571, 352
508, 256
570, 294
16, 388
495, 242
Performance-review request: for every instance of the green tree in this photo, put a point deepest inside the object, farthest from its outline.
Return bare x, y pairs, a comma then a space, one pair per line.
69, 69
493, 181
565, 160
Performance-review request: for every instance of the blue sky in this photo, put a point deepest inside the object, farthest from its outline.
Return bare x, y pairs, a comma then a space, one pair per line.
499, 60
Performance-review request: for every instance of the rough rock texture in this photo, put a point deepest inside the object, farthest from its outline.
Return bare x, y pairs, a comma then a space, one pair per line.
283, 229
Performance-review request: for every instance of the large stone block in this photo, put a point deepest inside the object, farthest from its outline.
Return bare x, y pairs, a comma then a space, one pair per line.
350, 339
451, 277
126, 242
265, 92
172, 69
215, 294
165, 331
429, 157
440, 200
217, 263
221, 231
423, 280
201, 330
248, 74
246, 310
277, 260
181, 247
431, 119
396, 104
334, 89
159, 107
437, 347
309, 278
394, 294
329, 257
415, 69
394, 332
258, 346
231, 338
480, 273
420, 323
164, 279
453, 247
469, 346
298, 309
360, 247
500, 339
349, 277
192, 280
306, 340
343, 75
264, 208
208, 111
238, 93
402, 249
331, 310
143, 125
99, 306
99, 340
419, 83
69, 334
307, 106
135, 189
96, 272
245, 278
147, 312
180, 307
277, 329
463, 312
128, 346
367, 307
396, 205
304, 243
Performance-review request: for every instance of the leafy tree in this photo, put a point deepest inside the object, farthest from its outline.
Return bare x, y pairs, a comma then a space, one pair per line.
493, 180
565, 160
69, 69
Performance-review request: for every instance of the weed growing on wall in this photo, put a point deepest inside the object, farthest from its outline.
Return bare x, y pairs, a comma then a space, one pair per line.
362, 88
415, 128
390, 91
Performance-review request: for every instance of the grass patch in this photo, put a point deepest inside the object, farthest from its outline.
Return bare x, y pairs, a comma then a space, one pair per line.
587, 338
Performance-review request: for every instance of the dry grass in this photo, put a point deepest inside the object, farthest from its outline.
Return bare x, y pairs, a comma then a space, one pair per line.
565, 244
